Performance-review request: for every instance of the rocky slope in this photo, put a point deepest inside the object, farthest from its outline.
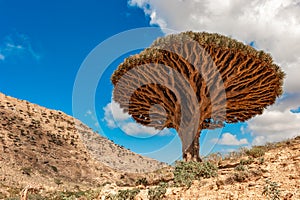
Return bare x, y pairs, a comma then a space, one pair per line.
275, 172
267, 172
54, 156
50, 149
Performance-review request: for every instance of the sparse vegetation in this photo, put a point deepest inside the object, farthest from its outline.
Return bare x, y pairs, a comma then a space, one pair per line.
247, 161
142, 181
124, 195
240, 176
157, 193
233, 155
240, 167
26, 170
215, 158
54, 168
186, 172
58, 181
70, 195
261, 160
246, 168
256, 151
271, 190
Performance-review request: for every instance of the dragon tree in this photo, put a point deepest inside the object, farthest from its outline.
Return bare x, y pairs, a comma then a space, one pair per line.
194, 81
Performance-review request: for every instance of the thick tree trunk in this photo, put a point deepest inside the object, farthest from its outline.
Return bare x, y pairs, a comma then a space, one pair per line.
192, 152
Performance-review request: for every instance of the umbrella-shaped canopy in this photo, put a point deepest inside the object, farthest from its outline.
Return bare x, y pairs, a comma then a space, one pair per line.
193, 81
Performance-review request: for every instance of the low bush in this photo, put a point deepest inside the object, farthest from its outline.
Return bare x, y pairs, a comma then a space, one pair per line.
256, 151
241, 176
124, 195
240, 167
142, 181
158, 192
186, 172
271, 190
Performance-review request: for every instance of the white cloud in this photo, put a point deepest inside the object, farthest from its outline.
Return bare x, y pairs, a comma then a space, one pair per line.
274, 25
16, 46
114, 117
292, 81
2, 57
139, 3
276, 123
113, 114
149, 10
230, 140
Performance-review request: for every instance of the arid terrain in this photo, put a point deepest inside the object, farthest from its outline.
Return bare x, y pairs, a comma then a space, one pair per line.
49, 149
47, 154
265, 172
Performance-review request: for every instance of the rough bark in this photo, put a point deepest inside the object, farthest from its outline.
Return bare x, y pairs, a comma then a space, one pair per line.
192, 153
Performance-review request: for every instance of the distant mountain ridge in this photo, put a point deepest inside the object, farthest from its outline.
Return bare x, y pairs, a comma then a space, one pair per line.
47, 147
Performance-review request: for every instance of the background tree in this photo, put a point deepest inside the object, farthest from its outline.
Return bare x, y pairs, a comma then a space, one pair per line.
194, 81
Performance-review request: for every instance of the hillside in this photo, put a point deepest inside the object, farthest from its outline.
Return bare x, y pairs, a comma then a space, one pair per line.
50, 149
51, 155
263, 172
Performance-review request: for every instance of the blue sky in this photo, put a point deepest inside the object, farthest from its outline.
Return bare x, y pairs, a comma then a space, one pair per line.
44, 44
59, 35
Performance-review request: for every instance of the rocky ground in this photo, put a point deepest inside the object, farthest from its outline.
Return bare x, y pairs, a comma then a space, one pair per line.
51, 150
269, 172
45, 154
265, 172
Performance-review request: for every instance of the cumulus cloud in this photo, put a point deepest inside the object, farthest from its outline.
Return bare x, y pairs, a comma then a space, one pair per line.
273, 25
114, 117
17, 46
230, 140
277, 123
113, 114
150, 11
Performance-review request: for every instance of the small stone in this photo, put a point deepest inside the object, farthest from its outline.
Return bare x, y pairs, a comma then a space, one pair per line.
267, 175
251, 184
292, 176
141, 187
288, 196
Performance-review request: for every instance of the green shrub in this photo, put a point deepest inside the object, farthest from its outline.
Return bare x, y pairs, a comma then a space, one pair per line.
128, 194
124, 195
54, 168
26, 170
246, 162
271, 190
240, 167
158, 192
186, 172
58, 181
70, 195
256, 152
142, 181
240, 176
261, 160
